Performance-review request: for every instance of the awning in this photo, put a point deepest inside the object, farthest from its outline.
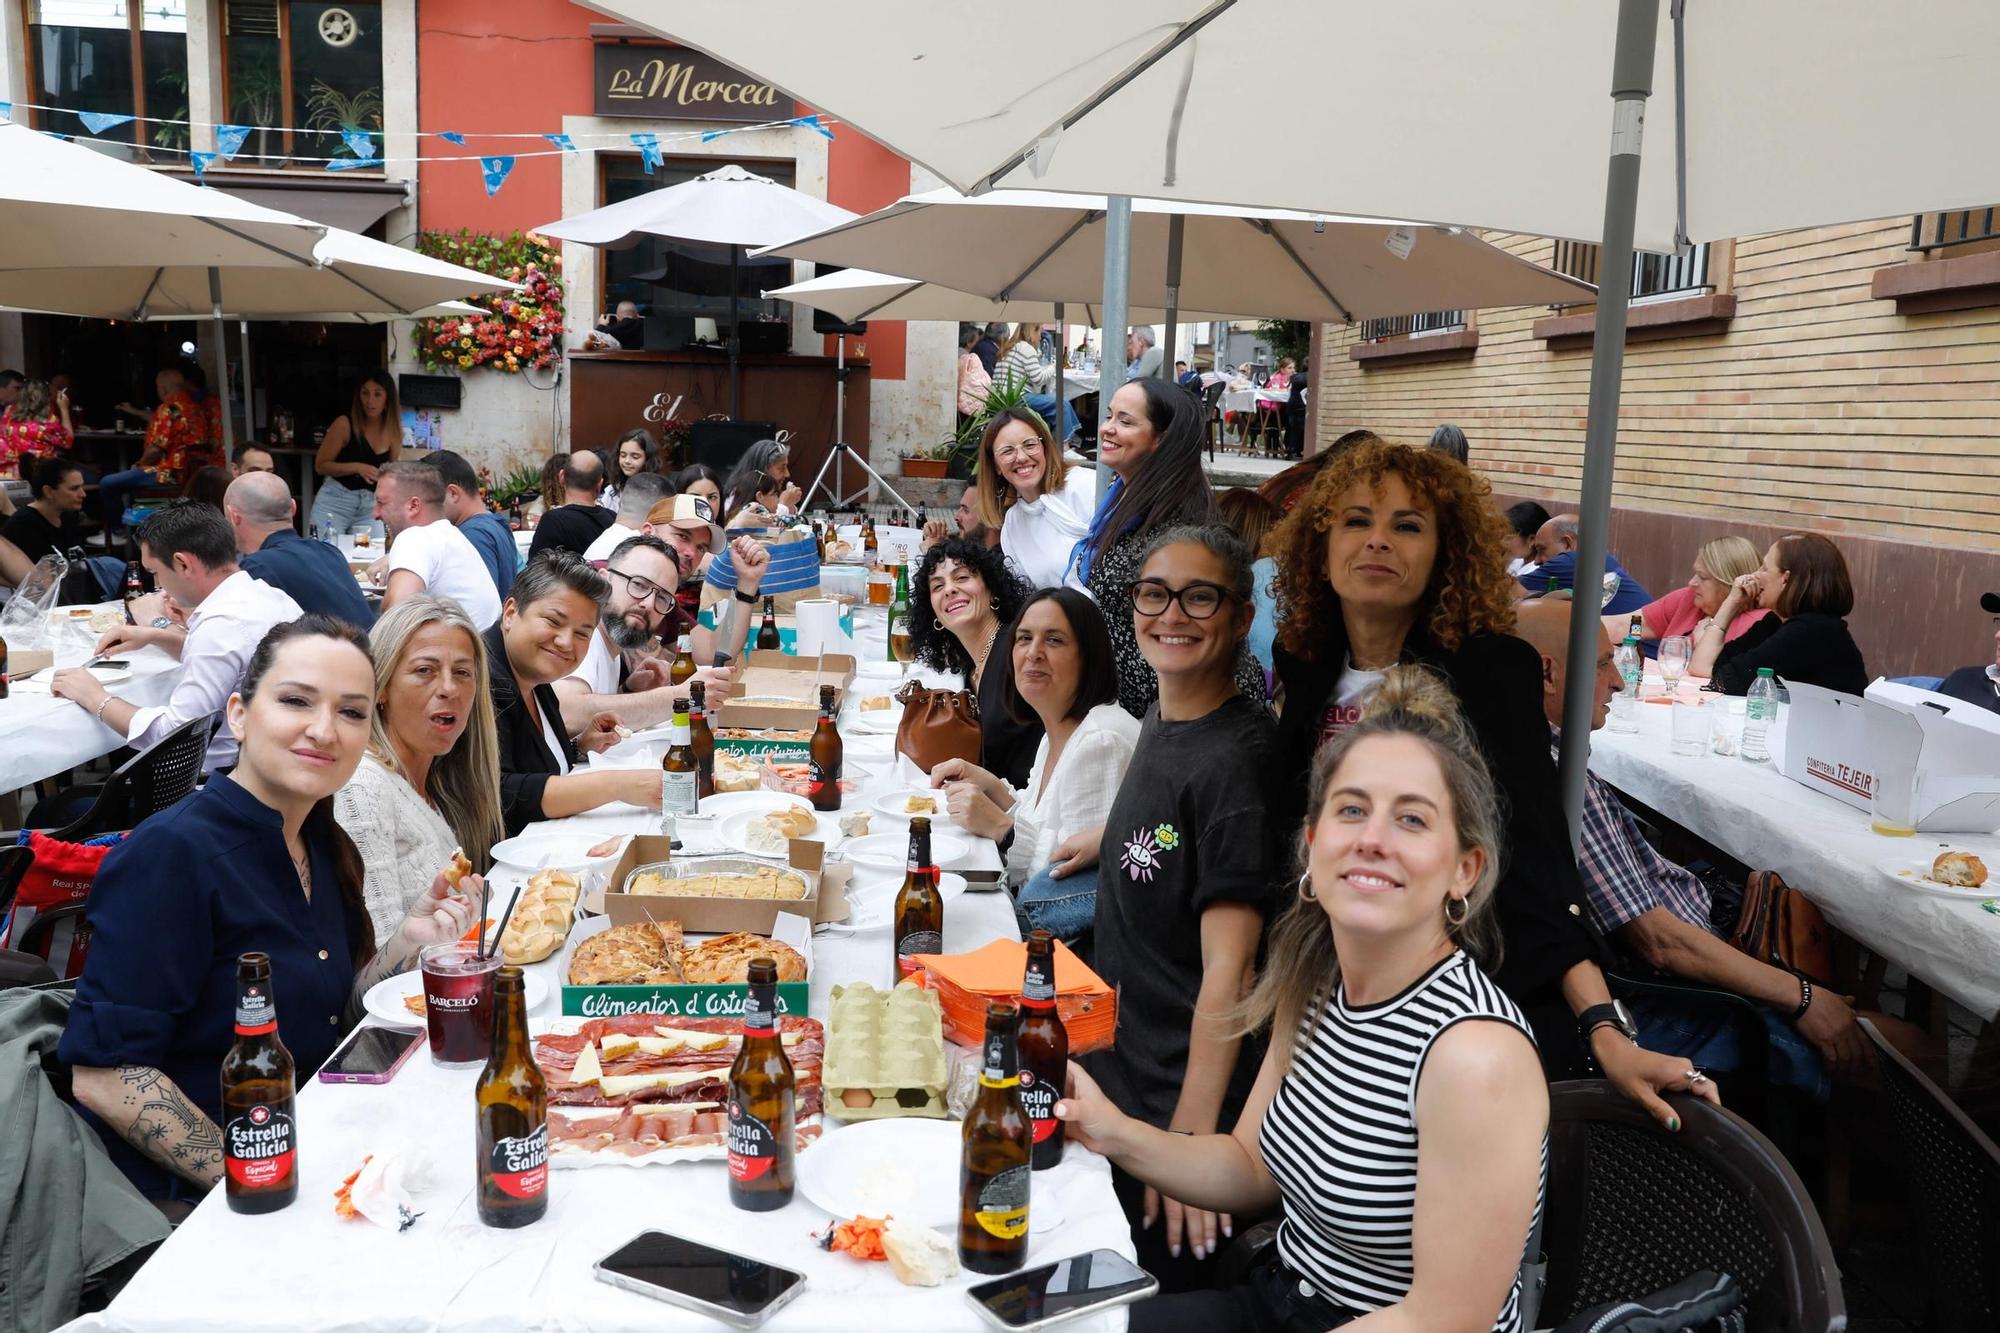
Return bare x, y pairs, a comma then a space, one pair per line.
355, 206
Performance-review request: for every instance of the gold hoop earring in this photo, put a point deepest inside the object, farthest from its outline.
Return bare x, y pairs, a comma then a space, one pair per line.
1464, 911
1306, 893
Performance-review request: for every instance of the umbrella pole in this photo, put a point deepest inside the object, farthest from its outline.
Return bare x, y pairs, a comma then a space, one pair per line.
221, 359
249, 384
1631, 85
1061, 351
1117, 290
1176, 229
735, 339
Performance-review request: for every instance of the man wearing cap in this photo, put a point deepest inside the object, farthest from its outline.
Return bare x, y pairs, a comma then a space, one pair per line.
1980, 684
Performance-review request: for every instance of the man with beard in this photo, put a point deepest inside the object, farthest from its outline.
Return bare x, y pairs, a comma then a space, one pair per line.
619, 673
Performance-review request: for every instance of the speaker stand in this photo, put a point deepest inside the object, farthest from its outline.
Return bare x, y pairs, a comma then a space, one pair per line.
837, 457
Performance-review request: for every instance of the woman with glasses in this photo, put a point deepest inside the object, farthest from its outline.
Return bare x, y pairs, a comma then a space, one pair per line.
1041, 506
962, 599
1688, 610
1189, 864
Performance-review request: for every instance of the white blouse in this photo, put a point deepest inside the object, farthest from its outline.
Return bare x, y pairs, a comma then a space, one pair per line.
1037, 536
1079, 792
403, 842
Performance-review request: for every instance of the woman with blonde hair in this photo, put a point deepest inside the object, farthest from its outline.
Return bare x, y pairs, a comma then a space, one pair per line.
429, 784
1394, 555
1040, 505
1399, 1118
1688, 609
1021, 359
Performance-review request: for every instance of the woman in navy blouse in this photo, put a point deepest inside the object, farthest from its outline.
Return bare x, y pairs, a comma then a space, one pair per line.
252, 861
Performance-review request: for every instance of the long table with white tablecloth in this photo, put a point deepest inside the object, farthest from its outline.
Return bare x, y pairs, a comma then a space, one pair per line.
41, 735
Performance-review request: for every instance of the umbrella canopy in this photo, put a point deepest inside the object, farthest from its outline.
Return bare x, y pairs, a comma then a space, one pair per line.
855, 294
1242, 262
1765, 116
728, 206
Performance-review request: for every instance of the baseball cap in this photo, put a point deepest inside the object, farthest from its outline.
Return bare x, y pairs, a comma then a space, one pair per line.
1990, 603
692, 511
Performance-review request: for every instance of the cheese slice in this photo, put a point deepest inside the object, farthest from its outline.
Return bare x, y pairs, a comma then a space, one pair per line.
618, 1085
701, 1041
588, 1070
658, 1045
615, 1044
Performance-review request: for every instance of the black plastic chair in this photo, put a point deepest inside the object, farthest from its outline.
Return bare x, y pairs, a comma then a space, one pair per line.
1747, 1089
1952, 1171
18, 967
1211, 414
1632, 1209
159, 775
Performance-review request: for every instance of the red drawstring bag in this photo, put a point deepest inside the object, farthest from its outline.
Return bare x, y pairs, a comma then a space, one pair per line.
62, 874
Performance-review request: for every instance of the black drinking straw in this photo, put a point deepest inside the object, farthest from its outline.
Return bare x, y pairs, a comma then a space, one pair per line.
505, 917
483, 894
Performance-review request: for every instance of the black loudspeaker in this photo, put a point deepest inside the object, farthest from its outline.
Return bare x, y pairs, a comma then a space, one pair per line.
720, 444
825, 323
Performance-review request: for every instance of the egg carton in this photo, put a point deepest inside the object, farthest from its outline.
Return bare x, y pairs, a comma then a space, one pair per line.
889, 1047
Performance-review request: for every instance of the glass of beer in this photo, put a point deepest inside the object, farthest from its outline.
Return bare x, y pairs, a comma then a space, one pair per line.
1892, 806
458, 1003
881, 588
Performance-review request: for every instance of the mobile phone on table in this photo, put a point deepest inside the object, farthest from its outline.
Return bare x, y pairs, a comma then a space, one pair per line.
371, 1055
1066, 1289
740, 1291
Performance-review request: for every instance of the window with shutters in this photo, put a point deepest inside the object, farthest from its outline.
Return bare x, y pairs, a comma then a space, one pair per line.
307, 75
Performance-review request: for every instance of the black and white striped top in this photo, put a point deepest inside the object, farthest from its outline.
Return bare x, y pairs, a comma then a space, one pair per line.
1340, 1136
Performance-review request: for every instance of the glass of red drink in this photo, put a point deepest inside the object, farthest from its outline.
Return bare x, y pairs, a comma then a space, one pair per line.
458, 1003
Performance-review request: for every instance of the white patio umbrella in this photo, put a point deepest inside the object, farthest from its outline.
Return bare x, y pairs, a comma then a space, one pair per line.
728, 206
855, 294
1773, 115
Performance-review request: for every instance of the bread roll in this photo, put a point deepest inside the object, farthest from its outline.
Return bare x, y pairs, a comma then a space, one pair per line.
1960, 869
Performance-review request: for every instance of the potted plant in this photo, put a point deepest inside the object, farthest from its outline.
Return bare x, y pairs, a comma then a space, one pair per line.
932, 460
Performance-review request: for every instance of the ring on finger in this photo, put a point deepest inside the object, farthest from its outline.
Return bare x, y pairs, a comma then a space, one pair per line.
1695, 1078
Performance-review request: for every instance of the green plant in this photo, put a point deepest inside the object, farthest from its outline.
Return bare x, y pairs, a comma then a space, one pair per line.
523, 482
1002, 395
1287, 337
329, 111
167, 133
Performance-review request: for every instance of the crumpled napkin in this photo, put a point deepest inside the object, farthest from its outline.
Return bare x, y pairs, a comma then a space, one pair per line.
388, 1184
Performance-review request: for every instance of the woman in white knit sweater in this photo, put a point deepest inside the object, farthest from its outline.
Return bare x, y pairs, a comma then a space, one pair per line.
1062, 672
430, 782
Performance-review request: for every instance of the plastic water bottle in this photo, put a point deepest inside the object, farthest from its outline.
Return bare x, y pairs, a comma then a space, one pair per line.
1760, 710
1625, 704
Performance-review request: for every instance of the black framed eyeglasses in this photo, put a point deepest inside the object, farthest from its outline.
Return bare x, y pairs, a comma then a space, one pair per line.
642, 590
1199, 600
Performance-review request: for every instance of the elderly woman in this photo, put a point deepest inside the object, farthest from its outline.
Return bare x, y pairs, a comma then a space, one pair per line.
1041, 506
1393, 556
542, 634
962, 597
1398, 1120
1804, 584
1063, 678
1688, 609
1151, 440
429, 784
253, 862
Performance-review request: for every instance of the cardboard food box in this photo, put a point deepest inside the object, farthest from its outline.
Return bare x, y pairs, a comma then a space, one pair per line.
1826, 744
1938, 757
688, 1000
26, 661
771, 674
719, 916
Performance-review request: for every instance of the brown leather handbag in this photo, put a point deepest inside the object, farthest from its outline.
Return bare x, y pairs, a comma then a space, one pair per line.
937, 725
1780, 926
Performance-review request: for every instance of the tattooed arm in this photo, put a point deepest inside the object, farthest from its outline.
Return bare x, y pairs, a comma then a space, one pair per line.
146, 1110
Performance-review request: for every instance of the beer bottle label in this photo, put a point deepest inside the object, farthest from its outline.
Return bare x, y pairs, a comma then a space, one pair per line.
1002, 1208
820, 775
520, 1166
760, 1012
914, 943
753, 1148
1038, 984
256, 1014
1038, 1099
259, 1146
678, 795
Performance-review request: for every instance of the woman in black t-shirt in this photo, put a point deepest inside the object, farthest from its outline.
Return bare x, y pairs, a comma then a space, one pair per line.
355, 448
1804, 584
963, 596
1188, 859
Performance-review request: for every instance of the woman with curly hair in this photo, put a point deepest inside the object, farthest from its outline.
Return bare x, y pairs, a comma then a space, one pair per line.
961, 601
1394, 555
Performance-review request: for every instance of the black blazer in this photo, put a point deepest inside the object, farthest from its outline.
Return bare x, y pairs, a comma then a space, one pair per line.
1539, 901
1812, 646
526, 765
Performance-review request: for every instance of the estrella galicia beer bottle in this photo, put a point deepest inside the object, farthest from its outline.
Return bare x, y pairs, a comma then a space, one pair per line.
1044, 1047
513, 1105
994, 1174
827, 755
767, 634
260, 1146
763, 1103
702, 738
919, 904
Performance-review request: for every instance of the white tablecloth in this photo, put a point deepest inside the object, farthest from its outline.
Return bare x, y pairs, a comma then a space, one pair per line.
41, 735
308, 1270
1822, 847
1077, 383
1249, 400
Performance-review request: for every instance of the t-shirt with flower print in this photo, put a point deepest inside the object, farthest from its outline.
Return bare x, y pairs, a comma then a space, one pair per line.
185, 432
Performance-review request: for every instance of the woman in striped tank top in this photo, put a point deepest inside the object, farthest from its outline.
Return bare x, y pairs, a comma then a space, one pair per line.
1400, 1118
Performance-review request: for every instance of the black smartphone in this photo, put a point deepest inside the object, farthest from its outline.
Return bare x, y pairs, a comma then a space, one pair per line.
740, 1291
1082, 1284
371, 1055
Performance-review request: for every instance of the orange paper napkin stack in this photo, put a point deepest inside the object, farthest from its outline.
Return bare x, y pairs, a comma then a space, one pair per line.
965, 982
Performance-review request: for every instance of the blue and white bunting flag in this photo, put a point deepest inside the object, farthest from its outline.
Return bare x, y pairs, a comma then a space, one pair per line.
649, 150
97, 122
452, 136
201, 162
229, 139
353, 163
495, 170
359, 142
562, 141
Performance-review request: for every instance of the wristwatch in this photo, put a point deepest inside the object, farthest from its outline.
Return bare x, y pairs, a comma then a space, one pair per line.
1614, 1015
747, 598
162, 622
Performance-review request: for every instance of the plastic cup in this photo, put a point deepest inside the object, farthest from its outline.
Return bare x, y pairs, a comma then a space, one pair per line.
1725, 727
1624, 712
1690, 735
458, 1003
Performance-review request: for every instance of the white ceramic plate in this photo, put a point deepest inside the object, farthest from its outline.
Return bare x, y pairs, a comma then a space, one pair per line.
734, 831
881, 722
384, 1000
891, 851
1911, 872
538, 849
726, 803
871, 898
905, 1166
893, 805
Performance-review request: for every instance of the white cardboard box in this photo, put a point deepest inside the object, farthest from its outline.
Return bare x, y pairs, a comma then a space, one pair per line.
1950, 749
1827, 744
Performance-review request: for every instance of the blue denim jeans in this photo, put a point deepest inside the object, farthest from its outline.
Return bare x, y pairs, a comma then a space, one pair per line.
1044, 406
116, 488
335, 506
1066, 908
1712, 1038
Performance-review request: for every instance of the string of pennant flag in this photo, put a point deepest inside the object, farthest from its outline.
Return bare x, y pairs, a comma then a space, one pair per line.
494, 168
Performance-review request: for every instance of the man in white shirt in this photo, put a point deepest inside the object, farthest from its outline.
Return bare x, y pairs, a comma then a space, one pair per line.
641, 492
191, 552
427, 554
644, 575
